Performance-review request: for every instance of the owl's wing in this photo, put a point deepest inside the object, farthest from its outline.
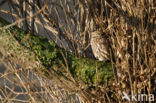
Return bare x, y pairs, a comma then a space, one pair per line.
95, 47
104, 47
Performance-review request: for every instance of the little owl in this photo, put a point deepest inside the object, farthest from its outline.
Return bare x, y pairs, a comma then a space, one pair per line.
100, 46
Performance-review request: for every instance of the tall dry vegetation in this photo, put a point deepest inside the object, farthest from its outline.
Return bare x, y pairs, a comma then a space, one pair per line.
130, 26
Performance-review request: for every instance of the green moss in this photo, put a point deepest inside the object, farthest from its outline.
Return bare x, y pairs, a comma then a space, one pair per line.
48, 53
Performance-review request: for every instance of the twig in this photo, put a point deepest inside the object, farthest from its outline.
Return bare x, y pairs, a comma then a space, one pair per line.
20, 20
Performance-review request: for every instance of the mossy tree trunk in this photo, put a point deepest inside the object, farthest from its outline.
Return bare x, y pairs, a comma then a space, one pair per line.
43, 55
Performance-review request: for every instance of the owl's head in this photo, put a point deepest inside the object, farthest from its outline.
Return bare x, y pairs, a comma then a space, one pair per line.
96, 34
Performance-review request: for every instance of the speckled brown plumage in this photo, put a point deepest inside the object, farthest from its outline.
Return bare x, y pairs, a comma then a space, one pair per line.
100, 46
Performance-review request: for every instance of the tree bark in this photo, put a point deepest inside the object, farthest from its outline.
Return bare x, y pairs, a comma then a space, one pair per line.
44, 55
